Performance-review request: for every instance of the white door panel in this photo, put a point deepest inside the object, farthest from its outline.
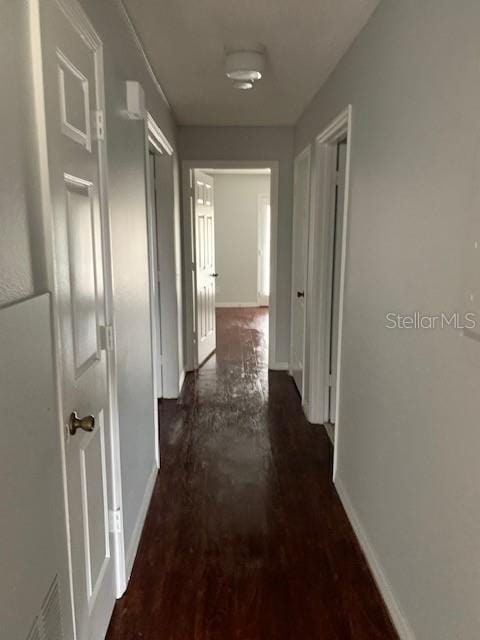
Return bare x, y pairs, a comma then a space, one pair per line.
299, 265
155, 292
72, 81
336, 272
80, 209
205, 262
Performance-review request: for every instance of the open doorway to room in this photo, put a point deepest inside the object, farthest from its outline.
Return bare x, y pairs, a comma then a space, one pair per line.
301, 219
242, 251
242, 238
335, 266
327, 258
232, 215
164, 243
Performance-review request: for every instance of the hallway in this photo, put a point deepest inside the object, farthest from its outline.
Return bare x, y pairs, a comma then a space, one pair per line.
246, 537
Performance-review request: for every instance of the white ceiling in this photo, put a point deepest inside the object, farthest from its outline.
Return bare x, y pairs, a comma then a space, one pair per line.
185, 41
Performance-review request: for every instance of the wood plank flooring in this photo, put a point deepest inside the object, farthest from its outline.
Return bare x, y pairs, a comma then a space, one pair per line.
246, 538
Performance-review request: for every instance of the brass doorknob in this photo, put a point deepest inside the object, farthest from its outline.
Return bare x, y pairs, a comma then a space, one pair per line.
86, 424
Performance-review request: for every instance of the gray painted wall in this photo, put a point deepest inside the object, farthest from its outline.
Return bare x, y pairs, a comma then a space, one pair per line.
410, 406
236, 235
256, 144
22, 263
127, 178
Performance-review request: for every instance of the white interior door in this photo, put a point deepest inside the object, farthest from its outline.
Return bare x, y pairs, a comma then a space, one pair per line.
337, 229
264, 214
205, 266
301, 207
73, 89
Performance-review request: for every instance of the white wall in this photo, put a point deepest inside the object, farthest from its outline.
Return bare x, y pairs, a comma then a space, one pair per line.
236, 235
409, 409
256, 144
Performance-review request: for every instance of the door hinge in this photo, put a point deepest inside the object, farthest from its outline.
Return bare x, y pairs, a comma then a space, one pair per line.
107, 341
98, 125
115, 520
337, 178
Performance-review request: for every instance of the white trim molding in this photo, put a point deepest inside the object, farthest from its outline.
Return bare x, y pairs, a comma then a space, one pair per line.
397, 614
330, 429
155, 331
318, 288
141, 49
138, 528
263, 201
157, 138
181, 380
77, 16
279, 366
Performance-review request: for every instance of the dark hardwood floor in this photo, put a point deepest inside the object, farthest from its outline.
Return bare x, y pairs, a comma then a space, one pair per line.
246, 538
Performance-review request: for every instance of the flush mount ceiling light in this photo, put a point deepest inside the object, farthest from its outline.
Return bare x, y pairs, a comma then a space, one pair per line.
244, 67
243, 84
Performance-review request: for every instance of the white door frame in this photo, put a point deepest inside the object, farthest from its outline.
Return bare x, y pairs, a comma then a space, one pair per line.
79, 19
154, 276
262, 199
320, 257
154, 137
305, 153
188, 168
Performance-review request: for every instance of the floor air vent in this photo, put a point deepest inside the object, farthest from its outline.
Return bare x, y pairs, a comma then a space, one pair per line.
51, 614
35, 632
48, 625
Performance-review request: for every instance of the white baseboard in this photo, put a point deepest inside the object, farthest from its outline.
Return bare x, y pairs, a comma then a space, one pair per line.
330, 429
310, 413
142, 514
397, 615
228, 305
278, 366
181, 380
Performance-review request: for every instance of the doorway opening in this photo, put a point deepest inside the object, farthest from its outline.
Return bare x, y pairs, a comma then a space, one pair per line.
301, 217
232, 243
163, 224
335, 266
230, 230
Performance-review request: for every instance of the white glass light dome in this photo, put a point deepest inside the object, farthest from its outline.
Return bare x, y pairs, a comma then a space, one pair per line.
243, 84
244, 65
